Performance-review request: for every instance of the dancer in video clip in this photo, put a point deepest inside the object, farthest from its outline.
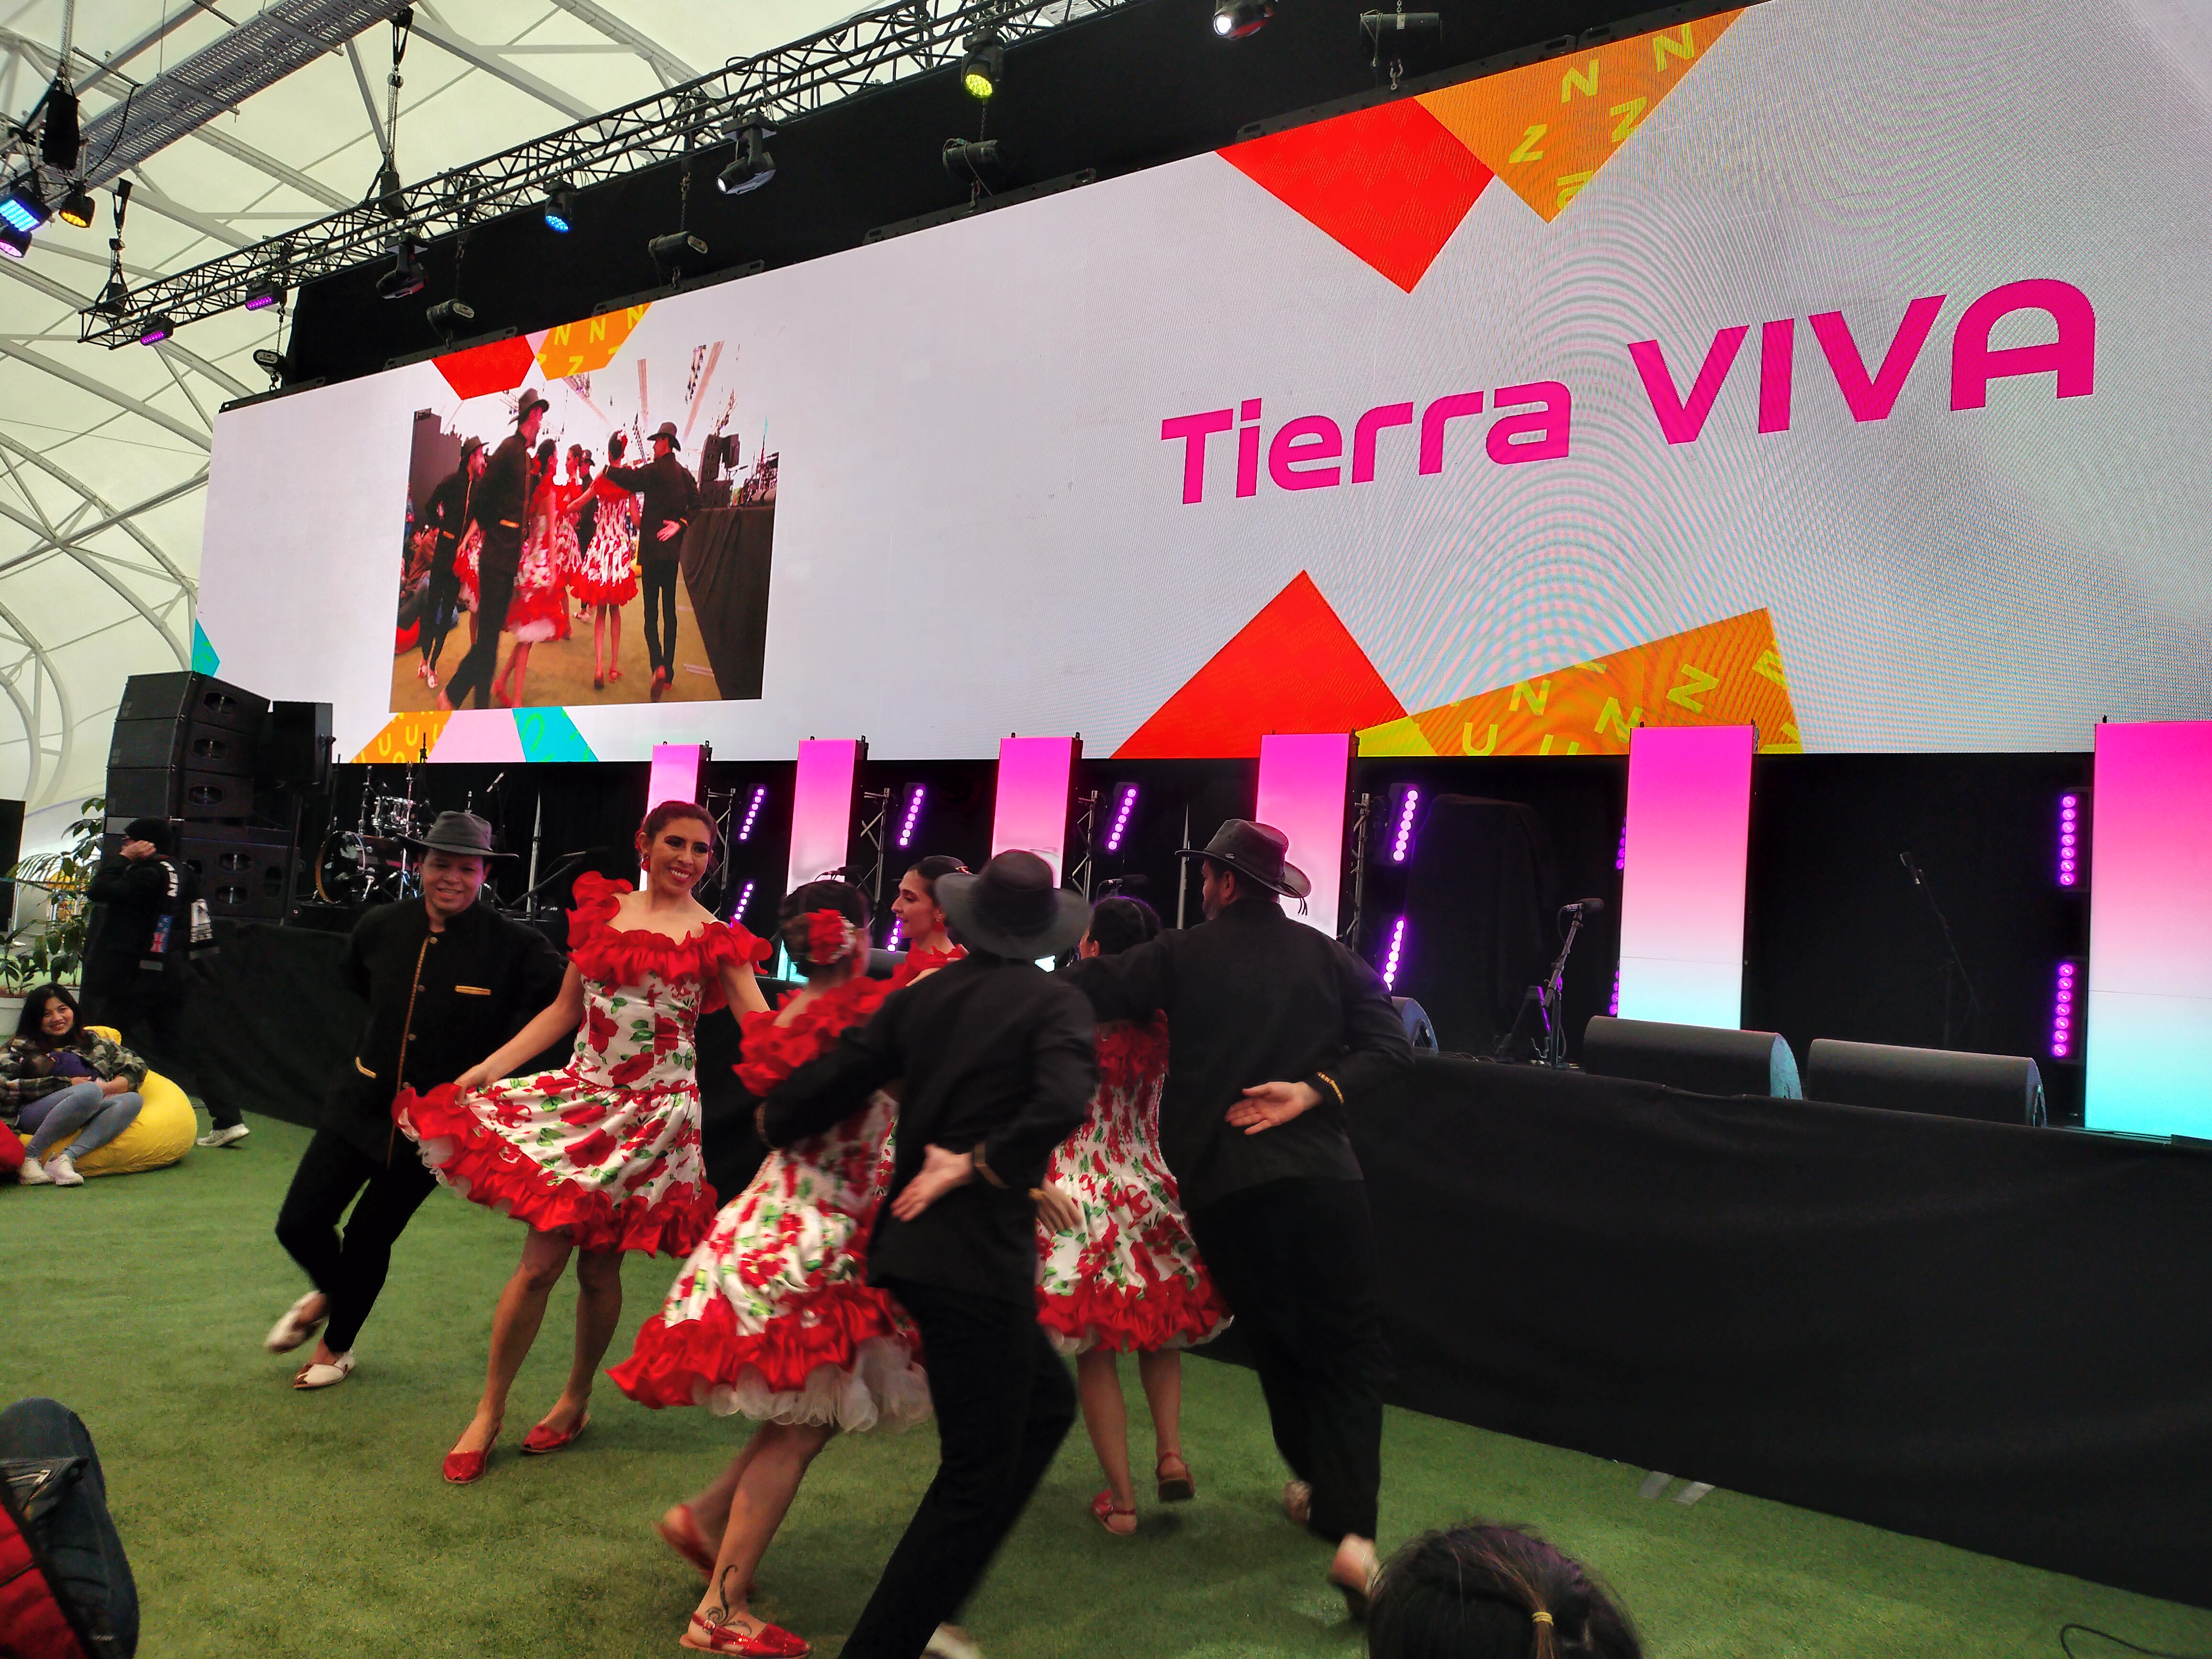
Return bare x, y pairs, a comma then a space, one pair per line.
501, 504
539, 608
606, 577
669, 497
602, 1156
773, 1318
447, 518
1119, 1273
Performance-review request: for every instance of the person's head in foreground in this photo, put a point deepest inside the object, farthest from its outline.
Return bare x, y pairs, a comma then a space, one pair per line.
1481, 1591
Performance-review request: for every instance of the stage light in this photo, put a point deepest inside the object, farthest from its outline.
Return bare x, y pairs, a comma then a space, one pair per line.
975, 161
891, 939
752, 165
1235, 19
77, 206
910, 814
2073, 820
406, 277
1390, 957
445, 313
159, 327
1124, 808
985, 66
2065, 1009
13, 243
753, 813
1407, 804
560, 209
58, 143
671, 254
24, 206
1612, 1008
745, 898
1620, 858
265, 294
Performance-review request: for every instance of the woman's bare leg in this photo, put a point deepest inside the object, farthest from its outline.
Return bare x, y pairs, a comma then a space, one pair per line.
710, 1509
598, 1311
598, 641
1161, 1372
1106, 1415
780, 1455
614, 639
513, 1327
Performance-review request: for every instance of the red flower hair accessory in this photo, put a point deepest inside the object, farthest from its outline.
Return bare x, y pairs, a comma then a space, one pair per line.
829, 937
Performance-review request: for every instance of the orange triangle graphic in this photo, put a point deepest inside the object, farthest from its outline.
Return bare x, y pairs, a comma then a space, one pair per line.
1294, 667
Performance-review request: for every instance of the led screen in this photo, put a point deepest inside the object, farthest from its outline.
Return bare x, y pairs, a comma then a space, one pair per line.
1829, 367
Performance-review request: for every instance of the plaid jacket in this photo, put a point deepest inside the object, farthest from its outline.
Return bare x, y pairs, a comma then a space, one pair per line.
25, 1073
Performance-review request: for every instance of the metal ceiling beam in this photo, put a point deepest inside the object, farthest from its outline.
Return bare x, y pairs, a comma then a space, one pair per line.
122, 400
168, 348
149, 196
52, 540
85, 492
672, 70
869, 50
440, 34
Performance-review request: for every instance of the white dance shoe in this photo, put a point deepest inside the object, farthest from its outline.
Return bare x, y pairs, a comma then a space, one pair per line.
295, 1327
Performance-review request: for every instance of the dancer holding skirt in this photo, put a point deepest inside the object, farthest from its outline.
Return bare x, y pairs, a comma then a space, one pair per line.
602, 1156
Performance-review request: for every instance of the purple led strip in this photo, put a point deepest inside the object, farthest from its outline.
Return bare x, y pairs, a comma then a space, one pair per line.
1404, 842
913, 814
753, 813
1121, 811
2070, 840
2065, 1027
1397, 949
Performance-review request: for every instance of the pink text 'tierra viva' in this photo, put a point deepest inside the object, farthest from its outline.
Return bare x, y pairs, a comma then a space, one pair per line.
1534, 422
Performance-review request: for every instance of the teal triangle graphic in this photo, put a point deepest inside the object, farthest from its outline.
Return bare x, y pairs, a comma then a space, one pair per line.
205, 658
547, 734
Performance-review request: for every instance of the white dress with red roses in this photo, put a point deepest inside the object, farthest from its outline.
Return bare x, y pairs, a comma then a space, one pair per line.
607, 1147
773, 1316
1127, 1278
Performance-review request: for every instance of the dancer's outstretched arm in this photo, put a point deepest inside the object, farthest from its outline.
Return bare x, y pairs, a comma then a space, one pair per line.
560, 1018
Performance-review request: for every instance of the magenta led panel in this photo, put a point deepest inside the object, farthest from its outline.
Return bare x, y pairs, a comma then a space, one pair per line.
1301, 783
1682, 905
1031, 810
675, 775
822, 807
2150, 1047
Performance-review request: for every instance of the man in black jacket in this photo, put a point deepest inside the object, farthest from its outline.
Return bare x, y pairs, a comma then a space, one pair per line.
137, 956
447, 514
501, 503
668, 497
999, 1063
447, 982
1275, 1029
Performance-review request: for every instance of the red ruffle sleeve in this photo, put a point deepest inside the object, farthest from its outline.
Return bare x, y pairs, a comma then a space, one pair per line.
626, 956
773, 1052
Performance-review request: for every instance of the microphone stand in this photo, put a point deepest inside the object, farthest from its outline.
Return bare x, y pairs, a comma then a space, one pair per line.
1549, 997
1952, 962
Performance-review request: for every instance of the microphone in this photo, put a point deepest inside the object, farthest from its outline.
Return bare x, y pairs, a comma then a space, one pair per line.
1589, 906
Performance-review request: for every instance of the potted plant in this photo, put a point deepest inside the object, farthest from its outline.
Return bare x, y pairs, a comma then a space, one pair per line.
51, 946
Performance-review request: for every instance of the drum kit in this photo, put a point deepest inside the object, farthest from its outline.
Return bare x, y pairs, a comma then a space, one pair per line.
372, 863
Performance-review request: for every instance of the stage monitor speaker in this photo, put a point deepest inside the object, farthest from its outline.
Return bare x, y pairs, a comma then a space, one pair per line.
135, 744
1418, 1030
1992, 1088
163, 793
295, 747
1702, 1059
245, 874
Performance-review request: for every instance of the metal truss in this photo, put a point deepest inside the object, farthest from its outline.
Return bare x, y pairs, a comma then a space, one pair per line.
869, 50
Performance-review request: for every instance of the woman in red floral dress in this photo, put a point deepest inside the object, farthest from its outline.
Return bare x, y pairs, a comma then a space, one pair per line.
605, 577
772, 1318
602, 1156
1117, 1271
920, 923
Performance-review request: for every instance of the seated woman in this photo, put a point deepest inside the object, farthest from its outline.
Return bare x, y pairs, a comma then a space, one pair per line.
59, 1079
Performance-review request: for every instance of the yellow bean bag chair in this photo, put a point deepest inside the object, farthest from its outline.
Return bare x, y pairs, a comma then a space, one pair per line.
162, 1134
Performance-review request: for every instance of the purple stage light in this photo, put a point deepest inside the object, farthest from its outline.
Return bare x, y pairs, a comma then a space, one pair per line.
891, 939
745, 898
1125, 804
2065, 1011
910, 818
261, 302
1620, 858
753, 813
1390, 960
2070, 840
1402, 841
1612, 1008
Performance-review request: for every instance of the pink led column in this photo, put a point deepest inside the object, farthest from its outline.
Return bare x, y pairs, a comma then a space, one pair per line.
1302, 785
1031, 810
675, 775
822, 807
1682, 906
2150, 930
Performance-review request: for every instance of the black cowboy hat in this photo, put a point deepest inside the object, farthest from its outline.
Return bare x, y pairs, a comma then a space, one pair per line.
668, 429
1012, 907
461, 833
1255, 851
529, 400
469, 447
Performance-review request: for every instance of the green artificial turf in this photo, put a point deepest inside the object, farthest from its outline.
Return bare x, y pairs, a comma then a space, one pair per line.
263, 1522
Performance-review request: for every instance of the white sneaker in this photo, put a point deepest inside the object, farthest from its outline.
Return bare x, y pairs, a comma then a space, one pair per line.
62, 1172
951, 1642
34, 1173
230, 1137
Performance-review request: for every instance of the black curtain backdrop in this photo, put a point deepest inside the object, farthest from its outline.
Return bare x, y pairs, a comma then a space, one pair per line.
725, 558
1990, 1336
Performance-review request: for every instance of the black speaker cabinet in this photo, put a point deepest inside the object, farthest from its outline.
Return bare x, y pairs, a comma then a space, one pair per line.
1993, 1088
196, 700
295, 747
1694, 1057
151, 793
145, 743
245, 874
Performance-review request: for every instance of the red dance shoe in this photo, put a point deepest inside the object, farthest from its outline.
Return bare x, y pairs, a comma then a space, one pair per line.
680, 1532
770, 1642
542, 1440
462, 1467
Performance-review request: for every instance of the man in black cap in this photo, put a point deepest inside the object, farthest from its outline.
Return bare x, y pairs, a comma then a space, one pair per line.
668, 497
446, 516
138, 952
501, 503
447, 981
998, 1064
1274, 1031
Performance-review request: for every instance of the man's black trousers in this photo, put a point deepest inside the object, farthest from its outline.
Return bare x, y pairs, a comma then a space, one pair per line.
350, 1269
80, 1541
1296, 1262
494, 590
1004, 1403
660, 586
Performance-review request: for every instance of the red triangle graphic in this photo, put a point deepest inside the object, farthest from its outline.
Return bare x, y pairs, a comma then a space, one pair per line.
1294, 667
1391, 183
496, 366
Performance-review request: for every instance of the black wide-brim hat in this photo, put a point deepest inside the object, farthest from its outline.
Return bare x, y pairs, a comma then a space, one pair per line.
529, 400
469, 446
1012, 908
462, 834
1254, 850
668, 429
